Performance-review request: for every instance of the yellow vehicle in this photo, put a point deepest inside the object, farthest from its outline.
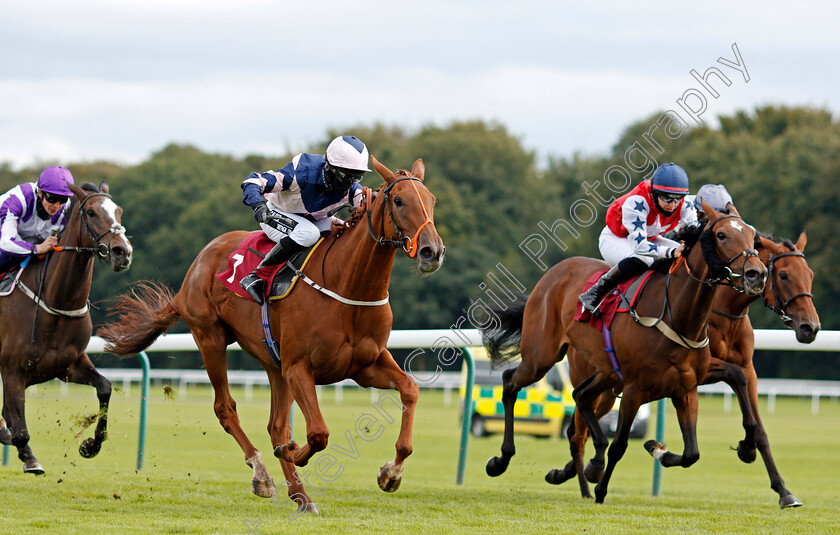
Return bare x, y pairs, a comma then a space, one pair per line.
544, 409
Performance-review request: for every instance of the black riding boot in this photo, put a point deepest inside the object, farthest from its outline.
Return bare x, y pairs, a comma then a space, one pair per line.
284, 250
591, 298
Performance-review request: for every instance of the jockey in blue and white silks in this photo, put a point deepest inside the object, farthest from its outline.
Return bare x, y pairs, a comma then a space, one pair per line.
32, 214
632, 238
294, 204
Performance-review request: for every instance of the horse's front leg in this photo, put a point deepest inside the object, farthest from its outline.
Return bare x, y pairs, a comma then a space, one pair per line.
279, 429
14, 413
302, 383
386, 374
83, 372
686, 408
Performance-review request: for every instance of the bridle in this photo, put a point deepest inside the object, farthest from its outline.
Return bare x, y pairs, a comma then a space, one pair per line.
781, 304
730, 277
102, 250
408, 244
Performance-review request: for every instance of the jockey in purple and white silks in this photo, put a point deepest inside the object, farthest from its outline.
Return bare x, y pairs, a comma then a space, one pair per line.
32, 214
294, 204
632, 238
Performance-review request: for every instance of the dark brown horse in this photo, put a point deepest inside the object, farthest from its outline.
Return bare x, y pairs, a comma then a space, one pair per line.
652, 366
47, 340
731, 342
321, 340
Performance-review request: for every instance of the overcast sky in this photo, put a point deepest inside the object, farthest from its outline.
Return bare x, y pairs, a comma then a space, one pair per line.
120, 79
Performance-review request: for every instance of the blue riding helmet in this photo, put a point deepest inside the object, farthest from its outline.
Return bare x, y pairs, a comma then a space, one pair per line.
670, 179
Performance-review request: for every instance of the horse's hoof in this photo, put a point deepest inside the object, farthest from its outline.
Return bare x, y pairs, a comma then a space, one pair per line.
387, 481
89, 448
745, 453
593, 473
5, 436
263, 488
284, 451
557, 477
656, 449
789, 501
32, 466
309, 507
496, 466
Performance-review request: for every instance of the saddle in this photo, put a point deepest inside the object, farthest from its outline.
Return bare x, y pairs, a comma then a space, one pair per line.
621, 299
8, 278
250, 253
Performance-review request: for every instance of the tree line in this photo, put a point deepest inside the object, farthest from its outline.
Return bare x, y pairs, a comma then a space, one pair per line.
503, 217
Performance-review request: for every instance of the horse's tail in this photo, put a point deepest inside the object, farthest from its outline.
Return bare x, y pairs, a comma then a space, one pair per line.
146, 312
503, 341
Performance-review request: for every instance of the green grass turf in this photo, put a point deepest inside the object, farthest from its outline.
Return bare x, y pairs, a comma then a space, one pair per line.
195, 479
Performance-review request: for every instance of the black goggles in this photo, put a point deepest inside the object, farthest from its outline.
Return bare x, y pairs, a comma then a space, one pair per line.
346, 176
671, 197
52, 198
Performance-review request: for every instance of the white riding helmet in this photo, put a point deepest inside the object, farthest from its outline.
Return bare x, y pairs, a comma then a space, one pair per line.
348, 152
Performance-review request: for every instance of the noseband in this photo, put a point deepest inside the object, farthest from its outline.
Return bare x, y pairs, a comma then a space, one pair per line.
408, 244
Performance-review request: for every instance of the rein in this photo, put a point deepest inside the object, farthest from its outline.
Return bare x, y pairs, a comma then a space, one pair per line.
408, 244
664, 328
102, 250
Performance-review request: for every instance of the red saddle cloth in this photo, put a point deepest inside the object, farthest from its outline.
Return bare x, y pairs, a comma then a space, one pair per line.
611, 303
244, 259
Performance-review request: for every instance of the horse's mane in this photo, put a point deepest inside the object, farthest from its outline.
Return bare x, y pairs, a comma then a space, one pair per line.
767, 236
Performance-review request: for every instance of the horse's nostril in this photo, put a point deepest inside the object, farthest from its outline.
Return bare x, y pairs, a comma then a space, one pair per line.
426, 253
753, 275
118, 252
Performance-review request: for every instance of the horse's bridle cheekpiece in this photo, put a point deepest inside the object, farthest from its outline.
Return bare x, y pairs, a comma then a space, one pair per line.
408, 244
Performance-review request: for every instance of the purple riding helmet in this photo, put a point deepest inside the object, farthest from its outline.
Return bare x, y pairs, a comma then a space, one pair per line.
54, 180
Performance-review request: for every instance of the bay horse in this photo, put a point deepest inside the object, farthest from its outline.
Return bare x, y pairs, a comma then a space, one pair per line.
731, 343
45, 324
321, 340
542, 328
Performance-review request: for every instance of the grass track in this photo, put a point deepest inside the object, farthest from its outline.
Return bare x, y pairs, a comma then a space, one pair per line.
195, 479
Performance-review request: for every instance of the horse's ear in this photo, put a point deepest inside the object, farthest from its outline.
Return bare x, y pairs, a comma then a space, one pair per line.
770, 245
419, 170
78, 192
800, 243
710, 212
383, 171
103, 187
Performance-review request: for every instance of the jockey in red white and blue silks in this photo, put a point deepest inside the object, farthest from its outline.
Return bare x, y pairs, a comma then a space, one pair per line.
302, 197
32, 214
632, 238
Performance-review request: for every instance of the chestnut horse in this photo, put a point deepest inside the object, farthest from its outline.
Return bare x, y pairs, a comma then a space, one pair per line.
652, 365
45, 324
731, 342
321, 340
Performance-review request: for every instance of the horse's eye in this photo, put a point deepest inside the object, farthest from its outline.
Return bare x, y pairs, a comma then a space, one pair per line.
721, 236
397, 201
783, 275
91, 213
